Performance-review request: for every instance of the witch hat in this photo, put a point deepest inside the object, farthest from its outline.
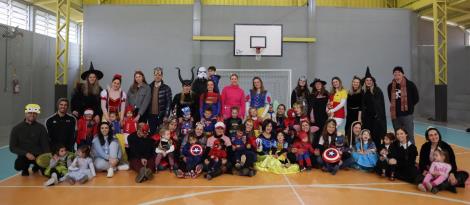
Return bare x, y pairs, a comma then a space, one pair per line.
92, 70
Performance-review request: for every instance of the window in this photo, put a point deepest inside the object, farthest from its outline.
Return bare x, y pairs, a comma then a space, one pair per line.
45, 24
19, 15
14, 14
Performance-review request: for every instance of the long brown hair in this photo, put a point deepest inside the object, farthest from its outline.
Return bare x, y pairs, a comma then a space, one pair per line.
262, 84
325, 133
355, 91
134, 86
333, 89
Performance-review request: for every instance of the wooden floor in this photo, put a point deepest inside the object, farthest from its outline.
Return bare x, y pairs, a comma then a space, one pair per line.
315, 187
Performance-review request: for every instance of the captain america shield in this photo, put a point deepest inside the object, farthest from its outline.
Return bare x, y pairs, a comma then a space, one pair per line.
331, 155
196, 150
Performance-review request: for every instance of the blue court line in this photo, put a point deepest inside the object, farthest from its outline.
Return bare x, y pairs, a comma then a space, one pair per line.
450, 135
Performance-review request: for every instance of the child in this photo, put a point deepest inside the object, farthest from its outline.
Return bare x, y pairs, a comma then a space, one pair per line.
346, 159
192, 158
186, 125
280, 116
438, 172
299, 113
216, 157
383, 168
251, 135
58, 166
130, 126
87, 128
303, 148
82, 169
233, 122
270, 114
239, 146
253, 115
165, 148
326, 140
289, 122
211, 75
115, 124
366, 152
209, 122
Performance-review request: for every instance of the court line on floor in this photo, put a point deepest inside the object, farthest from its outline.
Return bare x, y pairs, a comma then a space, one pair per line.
184, 196
187, 187
461, 153
442, 126
4, 147
293, 189
10, 177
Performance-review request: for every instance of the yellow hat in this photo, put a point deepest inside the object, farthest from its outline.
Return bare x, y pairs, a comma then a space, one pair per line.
34, 108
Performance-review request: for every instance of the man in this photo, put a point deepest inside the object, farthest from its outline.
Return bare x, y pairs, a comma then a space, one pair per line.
28, 140
61, 126
159, 108
403, 96
141, 153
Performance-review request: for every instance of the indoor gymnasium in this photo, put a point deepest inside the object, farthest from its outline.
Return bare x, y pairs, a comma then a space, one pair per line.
234, 102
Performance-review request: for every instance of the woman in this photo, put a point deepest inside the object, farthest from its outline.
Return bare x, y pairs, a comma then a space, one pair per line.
139, 96
300, 93
434, 142
258, 97
232, 95
374, 118
337, 101
402, 157
87, 95
113, 99
185, 99
266, 141
354, 104
106, 150
317, 102
354, 133
210, 99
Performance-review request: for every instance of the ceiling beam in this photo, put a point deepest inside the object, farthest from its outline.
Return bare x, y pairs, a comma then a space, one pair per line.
418, 5
458, 10
461, 18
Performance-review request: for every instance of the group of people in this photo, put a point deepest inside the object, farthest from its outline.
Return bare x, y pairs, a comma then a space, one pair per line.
204, 129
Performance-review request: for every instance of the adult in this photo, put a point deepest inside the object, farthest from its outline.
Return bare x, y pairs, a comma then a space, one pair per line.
61, 126
199, 85
317, 101
353, 105
354, 133
87, 95
210, 99
159, 108
106, 150
403, 96
300, 93
113, 99
185, 99
139, 96
374, 118
258, 97
434, 142
232, 95
402, 157
337, 101
28, 140
141, 153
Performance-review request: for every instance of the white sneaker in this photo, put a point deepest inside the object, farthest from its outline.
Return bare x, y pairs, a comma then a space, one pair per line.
123, 167
52, 181
110, 172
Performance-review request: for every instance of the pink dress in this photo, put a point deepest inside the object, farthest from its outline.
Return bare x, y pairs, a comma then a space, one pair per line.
233, 96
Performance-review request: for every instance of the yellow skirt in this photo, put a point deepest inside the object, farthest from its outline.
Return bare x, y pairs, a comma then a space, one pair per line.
122, 138
268, 163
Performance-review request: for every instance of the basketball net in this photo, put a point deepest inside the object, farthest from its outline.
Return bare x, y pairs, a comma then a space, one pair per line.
258, 54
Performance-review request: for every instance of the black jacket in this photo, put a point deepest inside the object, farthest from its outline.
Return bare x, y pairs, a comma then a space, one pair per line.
425, 163
413, 97
81, 102
140, 148
62, 130
29, 138
164, 99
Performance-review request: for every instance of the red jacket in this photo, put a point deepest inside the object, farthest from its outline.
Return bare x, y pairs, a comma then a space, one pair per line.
83, 131
303, 147
217, 153
130, 126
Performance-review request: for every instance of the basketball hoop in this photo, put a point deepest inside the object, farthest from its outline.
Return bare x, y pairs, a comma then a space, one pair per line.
258, 53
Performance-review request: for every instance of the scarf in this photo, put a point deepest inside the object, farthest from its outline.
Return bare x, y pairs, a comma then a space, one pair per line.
403, 99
